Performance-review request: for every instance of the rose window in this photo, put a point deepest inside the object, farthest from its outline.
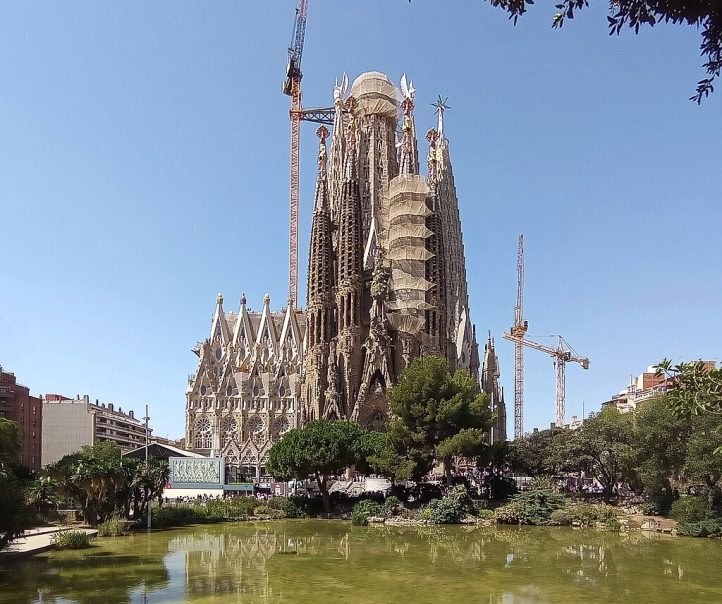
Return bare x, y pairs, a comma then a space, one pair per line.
229, 424
203, 433
281, 426
203, 425
256, 428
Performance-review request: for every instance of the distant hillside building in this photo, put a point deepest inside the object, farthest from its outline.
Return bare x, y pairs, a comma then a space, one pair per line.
71, 424
643, 387
26, 411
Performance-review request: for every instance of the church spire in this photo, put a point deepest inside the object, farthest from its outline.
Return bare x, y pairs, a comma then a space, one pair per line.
320, 258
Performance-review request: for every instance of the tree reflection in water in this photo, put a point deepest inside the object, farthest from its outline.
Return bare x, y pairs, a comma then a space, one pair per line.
317, 561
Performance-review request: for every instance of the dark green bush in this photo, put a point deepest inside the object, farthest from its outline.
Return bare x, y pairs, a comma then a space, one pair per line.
179, 515
277, 503
310, 506
705, 528
691, 509
363, 510
586, 514
265, 510
114, 527
532, 507
652, 508
233, 508
71, 540
392, 505
445, 511
292, 509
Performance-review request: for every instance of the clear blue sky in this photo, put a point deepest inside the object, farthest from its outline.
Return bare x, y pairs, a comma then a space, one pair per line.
144, 168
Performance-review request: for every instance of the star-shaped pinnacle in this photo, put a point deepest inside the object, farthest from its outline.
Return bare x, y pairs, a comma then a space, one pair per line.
441, 105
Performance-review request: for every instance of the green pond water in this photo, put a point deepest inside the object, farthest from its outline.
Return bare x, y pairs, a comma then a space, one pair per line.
331, 561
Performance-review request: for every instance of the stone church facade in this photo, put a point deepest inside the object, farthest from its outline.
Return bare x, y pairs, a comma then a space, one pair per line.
245, 393
386, 284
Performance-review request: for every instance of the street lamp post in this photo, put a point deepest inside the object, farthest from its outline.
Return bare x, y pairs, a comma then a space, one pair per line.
147, 469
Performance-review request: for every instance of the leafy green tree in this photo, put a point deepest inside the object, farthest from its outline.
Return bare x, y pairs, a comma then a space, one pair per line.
98, 478
703, 461
696, 387
602, 448
437, 416
660, 448
534, 455
633, 14
14, 480
320, 448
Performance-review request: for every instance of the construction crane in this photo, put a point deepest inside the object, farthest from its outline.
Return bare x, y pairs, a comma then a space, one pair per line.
562, 354
321, 115
518, 330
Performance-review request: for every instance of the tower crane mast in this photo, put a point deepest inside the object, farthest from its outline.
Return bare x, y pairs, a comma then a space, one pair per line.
292, 88
518, 330
322, 115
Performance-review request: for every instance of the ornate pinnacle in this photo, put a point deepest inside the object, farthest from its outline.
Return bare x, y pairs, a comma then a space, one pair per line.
432, 136
320, 198
441, 106
219, 298
322, 133
350, 160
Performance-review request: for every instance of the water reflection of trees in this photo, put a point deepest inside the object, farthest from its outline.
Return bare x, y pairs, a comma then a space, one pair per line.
321, 561
95, 576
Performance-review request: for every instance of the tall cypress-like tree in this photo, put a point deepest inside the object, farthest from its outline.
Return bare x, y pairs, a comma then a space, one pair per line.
437, 416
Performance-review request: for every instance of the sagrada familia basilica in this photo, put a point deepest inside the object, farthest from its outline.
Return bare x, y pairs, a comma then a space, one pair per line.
386, 284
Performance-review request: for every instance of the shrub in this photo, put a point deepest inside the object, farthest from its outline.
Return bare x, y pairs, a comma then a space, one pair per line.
310, 506
292, 509
392, 506
544, 483
532, 507
179, 515
112, 528
586, 514
651, 508
234, 508
485, 514
265, 510
691, 509
363, 510
277, 503
71, 540
426, 513
445, 511
459, 495
705, 528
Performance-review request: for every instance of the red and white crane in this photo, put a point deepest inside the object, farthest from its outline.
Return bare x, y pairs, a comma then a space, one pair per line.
321, 115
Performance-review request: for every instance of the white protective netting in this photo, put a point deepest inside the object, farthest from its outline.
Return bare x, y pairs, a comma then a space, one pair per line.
408, 254
375, 94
